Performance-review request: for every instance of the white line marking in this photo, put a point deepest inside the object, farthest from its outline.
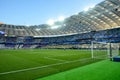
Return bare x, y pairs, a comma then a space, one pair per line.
28, 69
54, 59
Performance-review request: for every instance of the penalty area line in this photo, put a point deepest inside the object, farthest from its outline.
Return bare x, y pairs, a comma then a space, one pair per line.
54, 59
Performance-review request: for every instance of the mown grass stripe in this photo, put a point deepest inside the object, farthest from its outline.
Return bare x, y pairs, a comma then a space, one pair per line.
22, 70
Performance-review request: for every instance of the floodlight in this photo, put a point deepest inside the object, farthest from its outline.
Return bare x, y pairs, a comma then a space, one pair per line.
89, 7
61, 18
54, 27
64, 24
50, 22
27, 25
86, 9
37, 29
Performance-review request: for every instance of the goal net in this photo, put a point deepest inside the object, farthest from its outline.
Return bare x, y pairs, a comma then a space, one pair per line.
115, 49
99, 50
104, 50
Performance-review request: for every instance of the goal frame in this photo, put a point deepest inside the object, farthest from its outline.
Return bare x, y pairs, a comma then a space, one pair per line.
108, 48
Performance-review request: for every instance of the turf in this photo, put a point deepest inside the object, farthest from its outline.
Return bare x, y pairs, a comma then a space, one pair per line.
104, 70
12, 60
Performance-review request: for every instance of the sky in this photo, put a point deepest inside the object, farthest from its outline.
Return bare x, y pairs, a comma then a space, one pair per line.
36, 12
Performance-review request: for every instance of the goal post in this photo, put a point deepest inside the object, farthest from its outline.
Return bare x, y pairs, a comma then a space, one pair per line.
104, 50
115, 49
99, 49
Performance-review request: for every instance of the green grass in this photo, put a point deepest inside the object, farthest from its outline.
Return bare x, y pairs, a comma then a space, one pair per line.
12, 60
103, 70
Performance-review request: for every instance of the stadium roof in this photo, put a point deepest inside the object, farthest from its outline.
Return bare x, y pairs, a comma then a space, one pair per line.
105, 15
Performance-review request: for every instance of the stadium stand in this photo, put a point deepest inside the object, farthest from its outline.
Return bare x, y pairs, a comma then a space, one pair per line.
85, 38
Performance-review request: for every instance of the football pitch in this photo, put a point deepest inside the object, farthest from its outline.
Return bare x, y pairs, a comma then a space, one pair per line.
37, 63
103, 70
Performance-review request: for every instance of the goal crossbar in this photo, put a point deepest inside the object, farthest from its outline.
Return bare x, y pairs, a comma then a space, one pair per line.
110, 49
93, 46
